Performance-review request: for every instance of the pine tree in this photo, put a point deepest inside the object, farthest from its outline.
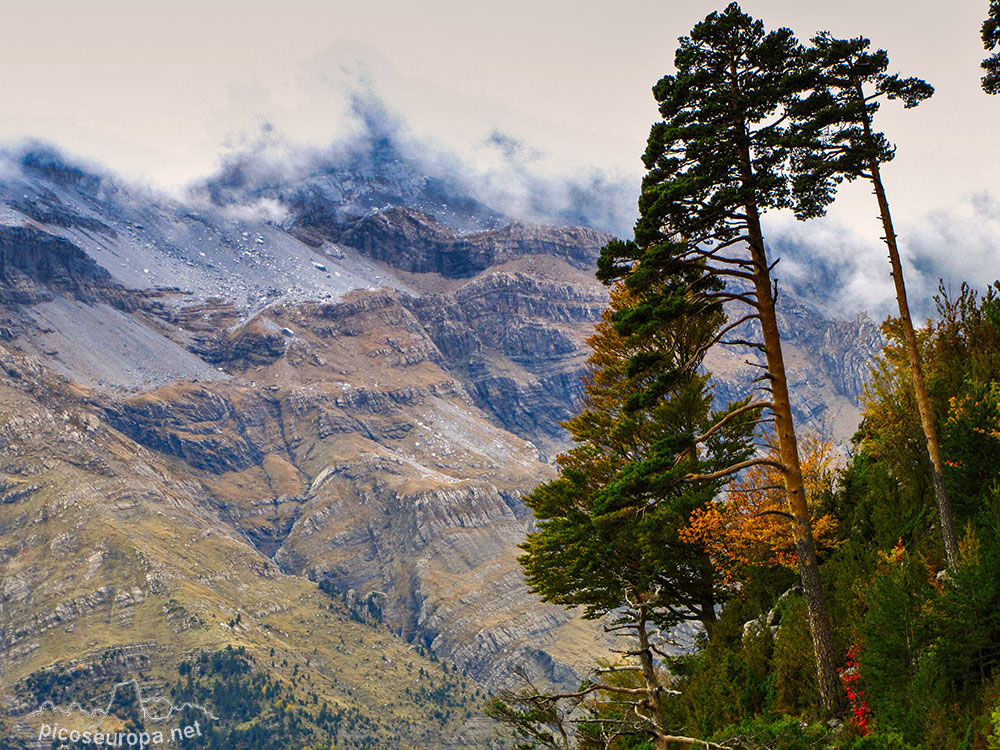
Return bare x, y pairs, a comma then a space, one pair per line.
991, 39
623, 489
842, 143
716, 162
608, 528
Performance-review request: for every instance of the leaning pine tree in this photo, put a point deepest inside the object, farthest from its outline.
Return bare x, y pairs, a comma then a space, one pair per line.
716, 162
840, 142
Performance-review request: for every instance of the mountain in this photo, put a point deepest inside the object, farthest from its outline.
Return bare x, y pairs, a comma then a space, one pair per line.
295, 411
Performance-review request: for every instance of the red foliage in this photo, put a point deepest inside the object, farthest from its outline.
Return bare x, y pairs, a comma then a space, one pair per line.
850, 675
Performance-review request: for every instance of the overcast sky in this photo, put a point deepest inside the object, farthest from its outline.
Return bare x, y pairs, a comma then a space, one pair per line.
159, 91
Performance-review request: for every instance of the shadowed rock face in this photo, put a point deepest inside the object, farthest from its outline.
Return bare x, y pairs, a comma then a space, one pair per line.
515, 341
202, 428
35, 263
356, 396
256, 342
412, 240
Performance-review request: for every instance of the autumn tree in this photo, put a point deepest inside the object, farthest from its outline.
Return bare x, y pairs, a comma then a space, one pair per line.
928, 640
961, 349
749, 527
844, 144
991, 39
717, 160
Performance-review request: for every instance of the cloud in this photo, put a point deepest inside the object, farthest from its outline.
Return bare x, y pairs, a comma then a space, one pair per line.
9, 167
500, 171
960, 244
530, 185
826, 261
262, 210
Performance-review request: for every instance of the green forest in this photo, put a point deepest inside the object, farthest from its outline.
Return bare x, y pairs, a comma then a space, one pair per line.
836, 601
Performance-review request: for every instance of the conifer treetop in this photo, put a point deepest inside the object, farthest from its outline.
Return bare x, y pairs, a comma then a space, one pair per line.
991, 40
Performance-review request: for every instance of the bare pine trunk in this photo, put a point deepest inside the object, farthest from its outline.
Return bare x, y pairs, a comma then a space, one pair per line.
830, 689
831, 692
916, 370
654, 698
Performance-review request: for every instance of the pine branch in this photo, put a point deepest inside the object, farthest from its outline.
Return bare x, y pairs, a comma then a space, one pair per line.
731, 415
734, 469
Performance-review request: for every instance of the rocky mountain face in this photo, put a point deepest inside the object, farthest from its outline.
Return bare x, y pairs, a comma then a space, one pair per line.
209, 408
114, 552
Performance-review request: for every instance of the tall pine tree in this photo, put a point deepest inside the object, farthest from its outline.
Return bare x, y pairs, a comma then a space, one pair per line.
608, 528
716, 162
840, 142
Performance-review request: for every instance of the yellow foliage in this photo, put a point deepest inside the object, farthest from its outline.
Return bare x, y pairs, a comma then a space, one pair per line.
751, 525
960, 409
894, 556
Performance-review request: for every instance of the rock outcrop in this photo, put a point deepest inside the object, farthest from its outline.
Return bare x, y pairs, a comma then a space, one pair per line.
35, 263
412, 240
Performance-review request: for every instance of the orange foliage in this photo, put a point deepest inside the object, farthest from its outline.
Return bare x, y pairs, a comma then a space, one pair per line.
895, 556
751, 526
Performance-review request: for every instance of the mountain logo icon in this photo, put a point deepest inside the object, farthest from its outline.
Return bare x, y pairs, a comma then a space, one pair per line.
154, 710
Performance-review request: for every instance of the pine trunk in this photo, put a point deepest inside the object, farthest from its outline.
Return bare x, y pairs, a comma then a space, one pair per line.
927, 420
707, 572
653, 692
830, 688
831, 692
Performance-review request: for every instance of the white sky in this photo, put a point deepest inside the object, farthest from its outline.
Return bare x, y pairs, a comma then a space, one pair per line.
157, 91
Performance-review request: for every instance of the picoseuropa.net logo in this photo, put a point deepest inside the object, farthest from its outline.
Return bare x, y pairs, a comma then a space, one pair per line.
75, 725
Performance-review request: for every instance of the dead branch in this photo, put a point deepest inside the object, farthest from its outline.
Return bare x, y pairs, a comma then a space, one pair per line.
730, 470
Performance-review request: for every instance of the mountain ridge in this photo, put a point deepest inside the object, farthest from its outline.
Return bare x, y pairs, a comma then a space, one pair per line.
353, 395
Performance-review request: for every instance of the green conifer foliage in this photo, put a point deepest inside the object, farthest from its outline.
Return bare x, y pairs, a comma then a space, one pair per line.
608, 528
991, 39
